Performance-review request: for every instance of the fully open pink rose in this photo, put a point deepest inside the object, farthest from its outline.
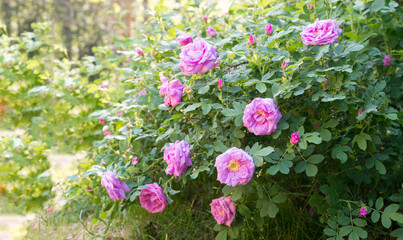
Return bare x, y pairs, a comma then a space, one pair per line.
320, 32
197, 57
223, 210
116, 188
171, 90
177, 158
184, 39
234, 167
261, 116
153, 198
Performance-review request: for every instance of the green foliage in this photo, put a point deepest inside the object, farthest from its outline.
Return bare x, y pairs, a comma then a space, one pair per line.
24, 176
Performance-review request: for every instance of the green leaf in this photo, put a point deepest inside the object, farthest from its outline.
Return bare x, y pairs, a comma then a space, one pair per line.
273, 170
353, 236
377, 5
301, 166
359, 222
315, 159
391, 208
279, 198
230, 112
237, 193
265, 151
222, 235
311, 170
273, 210
258, 160
380, 167
244, 210
233, 232
379, 203
345, 230
331, 123
322, 50
375, 216
386, 222
395, 216
261, 87
204, 89
325, 134
329, 232
218, 227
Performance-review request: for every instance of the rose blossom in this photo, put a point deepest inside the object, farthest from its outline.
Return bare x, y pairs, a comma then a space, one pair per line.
135, 161
363, 212
220, 84
252, 41
234, 167
139, 51
261, 116
142, 92
197, 57
223, 210
116, 188
205, 18
184, 39
102, 88
107, 133
386, 61
360, 112
171, 90
320, 32
294, 138
152, 198
211, 31
284, 64
268, 29
177, 158
102, 121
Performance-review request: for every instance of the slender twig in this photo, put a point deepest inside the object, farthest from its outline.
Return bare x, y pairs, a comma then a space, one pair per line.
235, 65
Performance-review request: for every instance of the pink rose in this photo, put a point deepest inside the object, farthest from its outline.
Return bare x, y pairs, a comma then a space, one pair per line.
284, 64
294, 138
261, 116
171, 90
107, 133
152, 198
220, 84
205, 18
139, 51
360, 112
211, 31
135, 161
102, 121
177, 158
325, 81
142, 92
234, 167
320, 32
102, 88
184, 39
268, 29
386, 61
223, 210
116, 188
252, 41
309, 7
197, 57
363, 212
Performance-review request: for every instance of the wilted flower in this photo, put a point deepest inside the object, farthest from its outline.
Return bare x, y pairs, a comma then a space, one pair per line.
223, 210
386, 61
261, 116
171, 90
363, 212
320, 32
153, 198
116, 188
188, 91
252, 41
139, 51
177, 157
234, 167
102, 121
220, 84
294, 138
197, 57
211, 32
268, 29
184, 39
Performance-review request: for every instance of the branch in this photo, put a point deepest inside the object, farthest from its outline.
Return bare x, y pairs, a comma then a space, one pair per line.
235, 65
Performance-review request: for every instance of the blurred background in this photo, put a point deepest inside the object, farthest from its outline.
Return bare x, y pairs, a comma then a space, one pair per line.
79, 25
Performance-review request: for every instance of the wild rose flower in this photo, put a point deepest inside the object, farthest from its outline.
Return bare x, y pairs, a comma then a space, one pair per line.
89, 189
284, 64
309, 7
135, 161
116, 188
102, 121
252, 41
386, 61
363, 212
320, 32
153, 198
139, 51
102, 88
197, 57
184, 39
211, 32
234, 167
360, 112
220, 84
177, 158
106, 133
325, 81
261, 116
268, 29
142, 92
171, 90
294, 138
223, 210
205, 18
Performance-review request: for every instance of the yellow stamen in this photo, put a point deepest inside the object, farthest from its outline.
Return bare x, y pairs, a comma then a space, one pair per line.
233, 165
221, 212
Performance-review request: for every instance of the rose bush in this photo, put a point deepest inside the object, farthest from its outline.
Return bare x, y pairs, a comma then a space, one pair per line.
312, 81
